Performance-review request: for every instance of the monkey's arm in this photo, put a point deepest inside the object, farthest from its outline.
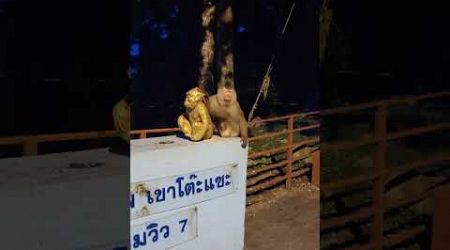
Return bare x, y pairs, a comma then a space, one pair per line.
199, 129
184, 125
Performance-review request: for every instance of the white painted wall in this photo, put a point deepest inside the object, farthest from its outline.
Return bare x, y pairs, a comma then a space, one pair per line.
46, 205
215, 218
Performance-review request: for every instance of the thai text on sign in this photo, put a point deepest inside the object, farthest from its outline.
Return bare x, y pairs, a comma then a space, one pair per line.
158, 195
164, 233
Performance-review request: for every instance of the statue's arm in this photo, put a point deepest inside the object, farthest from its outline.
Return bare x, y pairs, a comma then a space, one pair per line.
200, 128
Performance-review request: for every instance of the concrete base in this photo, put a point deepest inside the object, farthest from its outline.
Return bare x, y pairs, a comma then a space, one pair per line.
215, 216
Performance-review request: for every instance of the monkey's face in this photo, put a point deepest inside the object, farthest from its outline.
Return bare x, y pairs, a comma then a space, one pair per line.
193, 97
227, 95
190, 102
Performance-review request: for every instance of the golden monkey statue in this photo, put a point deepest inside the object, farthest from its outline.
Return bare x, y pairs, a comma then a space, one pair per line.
121, 116
196, 122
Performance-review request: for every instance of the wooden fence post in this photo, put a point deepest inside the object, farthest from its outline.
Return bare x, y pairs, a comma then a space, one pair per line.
315, 171
379, 164
30, 147
290, 142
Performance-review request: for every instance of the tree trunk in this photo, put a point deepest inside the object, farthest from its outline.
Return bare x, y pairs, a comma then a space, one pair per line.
207, 49
326, 16
224, 58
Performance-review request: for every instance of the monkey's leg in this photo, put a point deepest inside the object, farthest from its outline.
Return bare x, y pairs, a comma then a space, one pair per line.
185, 126
201, 127
199, 131
209, 131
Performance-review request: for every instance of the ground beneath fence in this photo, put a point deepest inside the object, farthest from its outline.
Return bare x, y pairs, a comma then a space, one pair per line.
287, 220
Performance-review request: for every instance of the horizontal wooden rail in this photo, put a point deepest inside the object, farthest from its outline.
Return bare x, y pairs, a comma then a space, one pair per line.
405, 202
268, 152
31, 143
154, 131
403, 235
344, 145
286, 117
283, 132
58, 137
268, 135
275, 181
309, 127
313, 140
339, 184
254, 171
366, 246
390, 101
418, 131
362, 214
393, 171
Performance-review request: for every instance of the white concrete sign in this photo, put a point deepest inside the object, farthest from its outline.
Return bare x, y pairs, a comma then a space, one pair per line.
165, 232
159, 195
187, 195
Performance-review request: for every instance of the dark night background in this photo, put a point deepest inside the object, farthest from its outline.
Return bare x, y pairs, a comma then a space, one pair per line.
168, 35
405, 39
64, 64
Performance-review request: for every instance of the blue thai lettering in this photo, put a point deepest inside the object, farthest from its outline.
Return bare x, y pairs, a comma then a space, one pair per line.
160, 194
210, 185
190, 187
180, 190
174, 192
227, 183
220, 181
199, 184
167, 233
132, 204
149, 197
153, 229
137, 242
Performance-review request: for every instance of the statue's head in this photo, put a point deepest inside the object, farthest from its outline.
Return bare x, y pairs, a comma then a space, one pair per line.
193, 97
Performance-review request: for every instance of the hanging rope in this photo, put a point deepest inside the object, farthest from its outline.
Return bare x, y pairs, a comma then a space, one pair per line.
266, 80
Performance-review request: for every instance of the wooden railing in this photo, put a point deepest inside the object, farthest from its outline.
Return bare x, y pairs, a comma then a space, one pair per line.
256, 178
378, 175
380, 170
30, 143
259, 178
289, 149
144, 133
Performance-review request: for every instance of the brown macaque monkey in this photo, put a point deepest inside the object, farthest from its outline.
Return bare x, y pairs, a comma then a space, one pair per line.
227, 115
224, 109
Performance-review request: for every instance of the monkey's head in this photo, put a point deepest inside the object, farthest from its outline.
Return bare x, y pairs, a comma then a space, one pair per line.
193, 97
227, 95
